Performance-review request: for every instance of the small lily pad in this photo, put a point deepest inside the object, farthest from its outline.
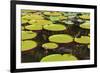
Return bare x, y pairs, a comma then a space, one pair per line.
34, 27
83, 40
68, 22
28, 35
28, 45
54, 27
85, 25
49, 45
61, 38
58, 57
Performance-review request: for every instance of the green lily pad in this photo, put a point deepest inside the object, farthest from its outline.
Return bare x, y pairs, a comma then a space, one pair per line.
54, 18
49, 45
85, 25
58, 57
28, 45
28, 35
52, 13
54, 27
68, 22
32, 17
83, 40
85, 16
40, 22
57, 18
61, 38
34, 27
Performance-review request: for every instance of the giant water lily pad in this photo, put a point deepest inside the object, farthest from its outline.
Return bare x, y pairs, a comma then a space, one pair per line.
40, 22
54, 27
61, 38
85, 16
28, 35
27, 45
57, 18
34, 27
58, 57
52, 13
85, 25
83, 40
49, 45
32, 17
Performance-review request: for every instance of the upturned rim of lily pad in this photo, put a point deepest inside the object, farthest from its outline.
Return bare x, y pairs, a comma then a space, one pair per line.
54, 27
28, 35
34, 27
83, 40
85, 25
28, 45
58, 57
61, 38
50, 45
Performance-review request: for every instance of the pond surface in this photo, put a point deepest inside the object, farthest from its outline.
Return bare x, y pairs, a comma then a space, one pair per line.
46, 34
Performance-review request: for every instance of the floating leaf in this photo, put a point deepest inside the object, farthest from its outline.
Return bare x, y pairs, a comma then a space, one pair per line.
85, 25
49, 45
54, 27
34, 27
52, 13
28, 35
61, 38
85, 16
68, 22
27, 45
58, 57
83, 40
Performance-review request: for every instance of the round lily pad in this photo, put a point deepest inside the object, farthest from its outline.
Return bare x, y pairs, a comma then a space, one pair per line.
49, 45
28, 35
36, 17
57, 18
83, 40
40, 22
52, 13
34, 27
58, 57
85, 25
61, 38
85, 16
28, 45
54, 27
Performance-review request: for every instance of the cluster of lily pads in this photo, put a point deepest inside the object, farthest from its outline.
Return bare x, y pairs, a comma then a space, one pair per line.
54, 36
